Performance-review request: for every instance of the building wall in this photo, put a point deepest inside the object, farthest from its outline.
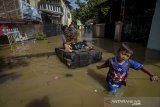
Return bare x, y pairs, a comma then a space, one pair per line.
29, 30
154, 37
10, 9
66, 18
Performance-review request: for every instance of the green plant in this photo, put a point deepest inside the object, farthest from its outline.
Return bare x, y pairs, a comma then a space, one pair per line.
40, 36
88, 9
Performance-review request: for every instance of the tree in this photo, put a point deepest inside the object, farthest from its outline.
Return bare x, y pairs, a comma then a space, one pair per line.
88, 10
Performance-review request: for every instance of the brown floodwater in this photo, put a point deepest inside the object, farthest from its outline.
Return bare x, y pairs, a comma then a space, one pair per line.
31, 75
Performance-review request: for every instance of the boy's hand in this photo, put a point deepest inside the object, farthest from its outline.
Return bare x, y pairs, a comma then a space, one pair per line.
154, 78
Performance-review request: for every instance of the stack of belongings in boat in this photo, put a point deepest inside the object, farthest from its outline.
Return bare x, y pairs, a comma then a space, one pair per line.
80, 56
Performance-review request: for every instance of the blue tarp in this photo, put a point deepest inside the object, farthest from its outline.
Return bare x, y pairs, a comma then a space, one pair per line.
30, 12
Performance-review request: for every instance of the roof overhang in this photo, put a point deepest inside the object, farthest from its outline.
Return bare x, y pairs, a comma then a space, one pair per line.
51, 12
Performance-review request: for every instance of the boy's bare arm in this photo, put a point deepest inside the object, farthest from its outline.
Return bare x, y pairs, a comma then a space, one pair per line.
69, 42
101, 66
152, 76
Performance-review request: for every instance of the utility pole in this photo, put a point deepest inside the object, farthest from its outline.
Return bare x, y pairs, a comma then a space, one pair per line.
122, 10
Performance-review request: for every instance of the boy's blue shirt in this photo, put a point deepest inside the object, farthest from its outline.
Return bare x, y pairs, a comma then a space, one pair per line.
118, 73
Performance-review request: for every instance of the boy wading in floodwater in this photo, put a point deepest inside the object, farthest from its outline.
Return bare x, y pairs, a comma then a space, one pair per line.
119, 67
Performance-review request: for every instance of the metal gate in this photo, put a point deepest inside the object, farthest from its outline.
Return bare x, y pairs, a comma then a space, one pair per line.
51, 29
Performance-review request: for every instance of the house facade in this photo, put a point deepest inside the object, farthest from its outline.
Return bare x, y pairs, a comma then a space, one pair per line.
132, 20
55, 13
18, 17
32, 16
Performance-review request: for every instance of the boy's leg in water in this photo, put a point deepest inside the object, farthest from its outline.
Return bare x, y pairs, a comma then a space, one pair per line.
113, 87
115, 90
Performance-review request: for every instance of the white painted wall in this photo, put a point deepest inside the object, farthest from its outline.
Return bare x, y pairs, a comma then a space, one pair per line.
154, 37
65, 19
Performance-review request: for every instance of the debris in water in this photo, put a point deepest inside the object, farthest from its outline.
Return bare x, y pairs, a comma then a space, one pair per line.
68, 75
56, 77
49, 42
86, 72
95, 90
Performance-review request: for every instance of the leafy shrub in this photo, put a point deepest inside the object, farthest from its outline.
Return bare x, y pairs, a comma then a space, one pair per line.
40, 36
